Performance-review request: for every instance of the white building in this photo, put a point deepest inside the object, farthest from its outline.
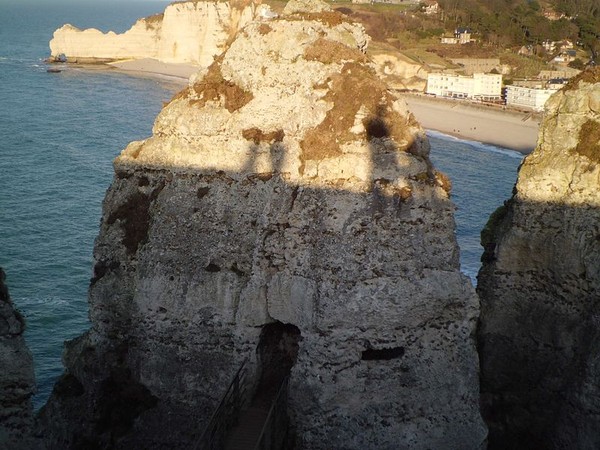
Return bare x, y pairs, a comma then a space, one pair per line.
479, 86
461, 36
430, 7
525, 97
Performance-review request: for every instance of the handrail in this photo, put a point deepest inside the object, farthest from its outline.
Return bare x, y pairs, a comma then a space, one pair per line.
271, 432
222, 418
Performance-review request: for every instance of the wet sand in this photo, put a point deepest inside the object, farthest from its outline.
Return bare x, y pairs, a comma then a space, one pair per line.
153, 67
490, 125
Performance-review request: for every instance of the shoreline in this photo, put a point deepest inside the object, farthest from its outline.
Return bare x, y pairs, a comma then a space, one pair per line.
510, 129
179, 73
152, 67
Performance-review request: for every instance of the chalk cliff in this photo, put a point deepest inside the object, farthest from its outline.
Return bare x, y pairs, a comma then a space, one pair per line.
398, 71
17, 383
190, 32
284, 189
539, 337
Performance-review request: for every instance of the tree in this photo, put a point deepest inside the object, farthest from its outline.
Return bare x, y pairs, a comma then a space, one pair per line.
577, 64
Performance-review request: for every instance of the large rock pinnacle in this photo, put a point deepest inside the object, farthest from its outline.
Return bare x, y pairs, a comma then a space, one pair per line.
538, 339
285, 211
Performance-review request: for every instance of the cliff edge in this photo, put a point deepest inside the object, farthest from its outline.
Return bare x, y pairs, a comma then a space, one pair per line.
284, 212
539, 286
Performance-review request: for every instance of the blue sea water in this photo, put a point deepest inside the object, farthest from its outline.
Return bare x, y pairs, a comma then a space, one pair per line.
483, 177
58, 136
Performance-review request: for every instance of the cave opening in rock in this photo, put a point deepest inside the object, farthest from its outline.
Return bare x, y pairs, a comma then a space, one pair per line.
383, 354
277, 351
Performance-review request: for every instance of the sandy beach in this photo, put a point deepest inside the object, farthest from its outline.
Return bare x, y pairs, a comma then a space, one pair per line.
503, 128
153, 67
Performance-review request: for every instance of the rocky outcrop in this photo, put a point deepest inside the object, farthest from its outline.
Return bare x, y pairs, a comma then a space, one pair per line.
17, 383
398, 71
539, 337
285, 189
190, 32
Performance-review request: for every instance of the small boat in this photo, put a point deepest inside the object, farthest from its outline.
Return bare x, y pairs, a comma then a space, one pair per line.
53, 70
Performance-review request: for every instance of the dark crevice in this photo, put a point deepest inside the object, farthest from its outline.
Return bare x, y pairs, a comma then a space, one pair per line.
277, 352
383, 354
212, 268
202, 192
235, 269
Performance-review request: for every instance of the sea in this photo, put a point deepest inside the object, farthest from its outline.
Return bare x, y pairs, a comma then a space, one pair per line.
59, 133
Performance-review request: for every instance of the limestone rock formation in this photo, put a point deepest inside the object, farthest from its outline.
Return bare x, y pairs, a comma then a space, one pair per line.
539, 337
190, 32
398, 71
285, 210
17, 383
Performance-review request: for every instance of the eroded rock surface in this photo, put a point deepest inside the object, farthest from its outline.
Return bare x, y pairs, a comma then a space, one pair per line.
398, 71
539, 341
17, 383
284, 186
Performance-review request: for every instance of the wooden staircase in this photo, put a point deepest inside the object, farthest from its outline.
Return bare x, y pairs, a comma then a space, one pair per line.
263, 425
246, 434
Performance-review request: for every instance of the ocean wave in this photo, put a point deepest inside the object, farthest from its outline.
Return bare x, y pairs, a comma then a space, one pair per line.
477, 145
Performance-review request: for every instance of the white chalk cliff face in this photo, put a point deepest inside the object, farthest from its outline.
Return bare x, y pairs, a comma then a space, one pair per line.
285, 186
539, 338
398, 71
190, 32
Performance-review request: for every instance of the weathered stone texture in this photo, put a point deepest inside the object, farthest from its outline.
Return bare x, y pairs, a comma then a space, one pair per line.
539, 286
17, 383
236, 214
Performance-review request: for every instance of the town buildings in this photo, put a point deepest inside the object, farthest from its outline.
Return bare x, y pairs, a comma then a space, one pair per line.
479, 86
527, 97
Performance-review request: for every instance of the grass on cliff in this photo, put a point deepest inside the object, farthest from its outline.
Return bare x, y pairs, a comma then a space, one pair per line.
591, 75
354, 88
589, 141
213, 87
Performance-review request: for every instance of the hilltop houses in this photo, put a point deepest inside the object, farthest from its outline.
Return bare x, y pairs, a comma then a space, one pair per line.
565, 57
430, 7
552, 46
461, 36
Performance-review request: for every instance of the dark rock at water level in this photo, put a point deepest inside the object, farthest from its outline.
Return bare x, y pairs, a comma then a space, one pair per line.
17, 383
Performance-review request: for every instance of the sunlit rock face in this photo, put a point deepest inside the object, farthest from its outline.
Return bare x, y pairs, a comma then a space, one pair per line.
285, 185
398, 71
539, 286
192, 32
17, 383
